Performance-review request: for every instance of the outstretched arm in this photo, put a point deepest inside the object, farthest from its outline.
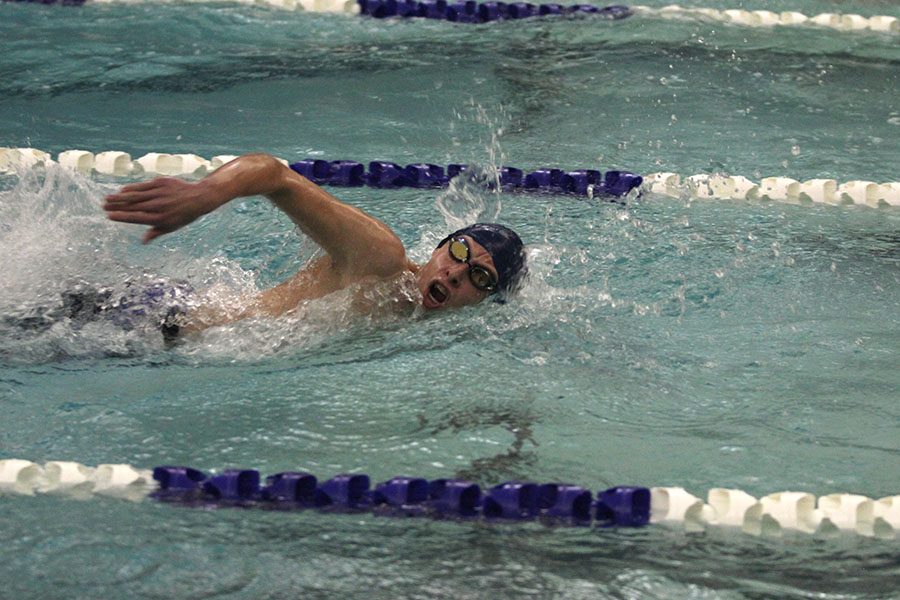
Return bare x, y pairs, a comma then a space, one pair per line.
356, 242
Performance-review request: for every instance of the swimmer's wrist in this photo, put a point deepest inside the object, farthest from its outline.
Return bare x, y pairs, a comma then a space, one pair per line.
213, 194
248, 175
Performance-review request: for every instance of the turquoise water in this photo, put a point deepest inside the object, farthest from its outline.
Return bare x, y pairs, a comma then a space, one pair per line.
664, 342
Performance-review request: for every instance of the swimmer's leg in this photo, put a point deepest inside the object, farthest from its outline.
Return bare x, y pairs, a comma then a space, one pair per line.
79, 304
158, 305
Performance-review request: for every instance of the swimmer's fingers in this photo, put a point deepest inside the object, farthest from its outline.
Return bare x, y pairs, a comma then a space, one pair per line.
123, 197
163, 221
142, 186
159, 224
147, 190
152, 234
164, 203
133, 216
148, 205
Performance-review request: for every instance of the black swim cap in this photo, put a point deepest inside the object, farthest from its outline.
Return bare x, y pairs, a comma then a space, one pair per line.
504, 246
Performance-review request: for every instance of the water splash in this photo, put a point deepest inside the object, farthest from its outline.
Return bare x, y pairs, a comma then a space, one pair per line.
52, 229
332, 326
469, 199
63, 260
474, 196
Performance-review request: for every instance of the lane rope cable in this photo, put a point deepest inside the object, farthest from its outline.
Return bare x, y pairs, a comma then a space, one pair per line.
584, 182
773, 515
470, 11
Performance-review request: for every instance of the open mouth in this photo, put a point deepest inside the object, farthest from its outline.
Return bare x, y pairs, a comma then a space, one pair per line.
437, 293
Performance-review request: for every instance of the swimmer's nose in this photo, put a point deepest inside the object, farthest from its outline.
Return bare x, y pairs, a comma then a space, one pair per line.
454, 275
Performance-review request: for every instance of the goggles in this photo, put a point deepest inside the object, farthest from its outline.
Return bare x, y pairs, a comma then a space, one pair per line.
480, 277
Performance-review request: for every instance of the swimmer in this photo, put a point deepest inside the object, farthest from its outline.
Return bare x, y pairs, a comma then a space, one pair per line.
467, 266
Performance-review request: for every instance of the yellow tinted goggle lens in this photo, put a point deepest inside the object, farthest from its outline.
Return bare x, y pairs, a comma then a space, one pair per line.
459, 250
481, 278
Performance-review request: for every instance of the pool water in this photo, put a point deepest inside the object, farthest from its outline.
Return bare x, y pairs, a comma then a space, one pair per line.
663, 341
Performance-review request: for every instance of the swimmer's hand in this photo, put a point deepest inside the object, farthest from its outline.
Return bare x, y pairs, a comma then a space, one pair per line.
165, 204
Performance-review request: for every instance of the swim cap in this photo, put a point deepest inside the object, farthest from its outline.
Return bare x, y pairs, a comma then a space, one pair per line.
504, 246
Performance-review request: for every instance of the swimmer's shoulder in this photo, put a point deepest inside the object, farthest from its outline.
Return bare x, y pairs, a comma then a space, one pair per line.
386, 259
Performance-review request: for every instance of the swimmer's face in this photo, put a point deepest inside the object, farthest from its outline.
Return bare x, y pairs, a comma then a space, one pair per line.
445, 282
